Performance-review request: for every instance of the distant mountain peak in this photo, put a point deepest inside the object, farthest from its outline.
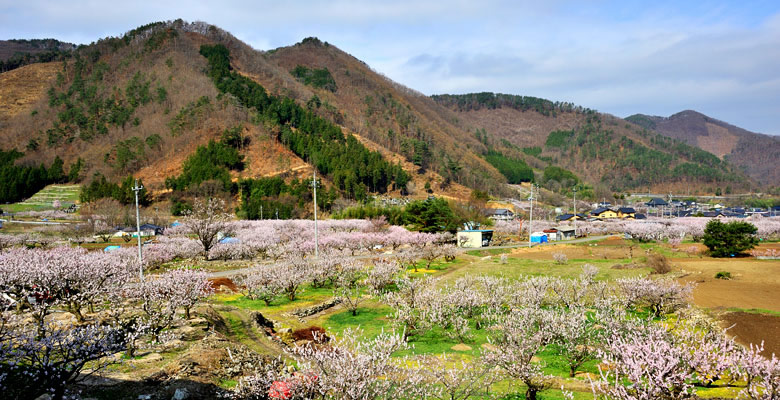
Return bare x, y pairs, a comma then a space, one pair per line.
754, 153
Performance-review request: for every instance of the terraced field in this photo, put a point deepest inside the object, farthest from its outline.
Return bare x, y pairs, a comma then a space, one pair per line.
43, 200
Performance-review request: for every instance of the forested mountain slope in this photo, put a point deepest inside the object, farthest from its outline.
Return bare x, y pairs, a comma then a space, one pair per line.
606, 151
149, 102
756, 154
144, 102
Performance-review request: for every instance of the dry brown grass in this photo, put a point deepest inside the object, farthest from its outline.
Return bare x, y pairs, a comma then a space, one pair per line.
659, 264
21, 88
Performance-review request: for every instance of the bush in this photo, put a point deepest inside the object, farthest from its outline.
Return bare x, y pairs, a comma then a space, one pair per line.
723, 275
729, 239
659, 264
560, 258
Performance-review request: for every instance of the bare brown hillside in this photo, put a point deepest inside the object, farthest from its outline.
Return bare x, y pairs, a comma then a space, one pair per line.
754, 153
23, 87
191, 111
174, 66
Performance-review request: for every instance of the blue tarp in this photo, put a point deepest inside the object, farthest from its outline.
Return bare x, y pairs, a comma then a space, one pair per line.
111, 248
538, 238
230, 240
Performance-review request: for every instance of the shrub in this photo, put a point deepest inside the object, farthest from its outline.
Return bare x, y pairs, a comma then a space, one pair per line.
729, 239
659, 264
723, 275
560, 258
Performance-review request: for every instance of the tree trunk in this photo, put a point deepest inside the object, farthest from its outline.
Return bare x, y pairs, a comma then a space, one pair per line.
75, 309
530, 394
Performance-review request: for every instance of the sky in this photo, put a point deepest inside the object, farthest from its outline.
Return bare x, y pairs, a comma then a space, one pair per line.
721, 58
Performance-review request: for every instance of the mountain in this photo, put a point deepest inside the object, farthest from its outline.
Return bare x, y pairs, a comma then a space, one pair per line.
142, 104
607, 152
756, 154
15, 53
148, 102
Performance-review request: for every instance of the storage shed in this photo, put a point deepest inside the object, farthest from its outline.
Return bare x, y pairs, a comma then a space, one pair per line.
475, 238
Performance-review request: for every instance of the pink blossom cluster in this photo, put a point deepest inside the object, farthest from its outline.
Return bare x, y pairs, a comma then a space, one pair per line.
660, 295
656, 229
346, 368
258, 239
47, 360
163, 250
48, 214
71, 277
768, 253
513, 227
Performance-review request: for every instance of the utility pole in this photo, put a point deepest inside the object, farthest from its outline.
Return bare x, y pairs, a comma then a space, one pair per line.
531, 216
575, 211
137, 189
316, 238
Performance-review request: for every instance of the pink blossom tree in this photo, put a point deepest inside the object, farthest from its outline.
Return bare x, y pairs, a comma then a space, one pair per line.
382, 275
192, 287
451, 380
660, 295
206, 221
48, 361
654, 367
261, 284
409, 304
351, 369
518, 340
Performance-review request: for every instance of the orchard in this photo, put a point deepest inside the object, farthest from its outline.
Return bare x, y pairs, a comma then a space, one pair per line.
398, 314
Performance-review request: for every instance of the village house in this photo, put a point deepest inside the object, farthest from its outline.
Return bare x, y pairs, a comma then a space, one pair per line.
603, 213
656, 202
570, 217
500, 214
626, 212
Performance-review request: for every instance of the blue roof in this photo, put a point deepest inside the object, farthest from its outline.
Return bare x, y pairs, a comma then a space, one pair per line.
477, 230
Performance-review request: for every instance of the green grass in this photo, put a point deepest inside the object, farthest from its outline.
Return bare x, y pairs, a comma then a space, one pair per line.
755, 311
66, 194
228, 383
236, 327
487, 252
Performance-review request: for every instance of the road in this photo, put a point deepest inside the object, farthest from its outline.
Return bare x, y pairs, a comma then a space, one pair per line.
241, 271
